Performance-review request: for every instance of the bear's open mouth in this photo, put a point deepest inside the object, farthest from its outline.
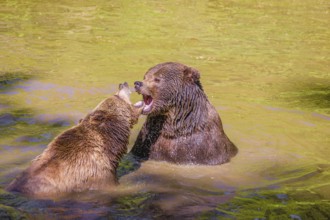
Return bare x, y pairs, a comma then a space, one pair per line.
146, 103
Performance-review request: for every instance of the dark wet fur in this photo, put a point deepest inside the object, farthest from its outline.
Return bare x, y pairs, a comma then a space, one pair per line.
184, 127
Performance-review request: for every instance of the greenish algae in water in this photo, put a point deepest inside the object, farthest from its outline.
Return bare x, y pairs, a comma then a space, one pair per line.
7, 212
276, 204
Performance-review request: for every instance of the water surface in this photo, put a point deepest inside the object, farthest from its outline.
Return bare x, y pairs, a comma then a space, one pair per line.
264, 66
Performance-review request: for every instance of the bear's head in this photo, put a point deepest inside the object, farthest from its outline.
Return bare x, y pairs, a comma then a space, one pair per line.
168, 85
116, 109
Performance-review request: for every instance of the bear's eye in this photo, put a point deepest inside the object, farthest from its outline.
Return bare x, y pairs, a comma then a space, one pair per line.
157, 80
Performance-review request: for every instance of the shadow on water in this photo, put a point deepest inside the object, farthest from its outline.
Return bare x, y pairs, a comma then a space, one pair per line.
9, 79
312, 96
13, 113
22, 125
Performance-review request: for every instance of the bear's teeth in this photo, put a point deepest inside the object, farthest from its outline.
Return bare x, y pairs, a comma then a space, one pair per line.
147, 108
139, 104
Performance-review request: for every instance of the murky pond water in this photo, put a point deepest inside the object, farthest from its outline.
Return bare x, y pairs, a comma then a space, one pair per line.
265, 67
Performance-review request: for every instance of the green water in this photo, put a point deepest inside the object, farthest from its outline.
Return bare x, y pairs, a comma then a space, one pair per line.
264, 65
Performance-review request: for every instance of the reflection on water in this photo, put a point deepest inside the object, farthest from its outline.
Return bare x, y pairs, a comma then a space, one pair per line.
264, 67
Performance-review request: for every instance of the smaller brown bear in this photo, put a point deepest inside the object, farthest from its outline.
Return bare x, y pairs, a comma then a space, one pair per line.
86, 156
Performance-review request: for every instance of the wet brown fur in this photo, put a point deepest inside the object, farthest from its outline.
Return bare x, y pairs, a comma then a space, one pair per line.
183, 126
84, 157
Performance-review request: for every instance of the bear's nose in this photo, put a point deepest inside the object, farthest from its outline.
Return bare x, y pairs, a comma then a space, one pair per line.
138, 84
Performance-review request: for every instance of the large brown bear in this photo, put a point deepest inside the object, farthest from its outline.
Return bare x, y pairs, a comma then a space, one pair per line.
182, 126
85, 156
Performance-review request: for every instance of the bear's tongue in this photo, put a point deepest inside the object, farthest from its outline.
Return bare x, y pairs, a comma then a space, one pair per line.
147, 99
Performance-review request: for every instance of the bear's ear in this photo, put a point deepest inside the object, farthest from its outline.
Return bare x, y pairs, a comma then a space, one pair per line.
192, 75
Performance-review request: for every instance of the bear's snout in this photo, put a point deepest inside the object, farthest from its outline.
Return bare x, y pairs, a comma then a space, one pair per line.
138, 85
